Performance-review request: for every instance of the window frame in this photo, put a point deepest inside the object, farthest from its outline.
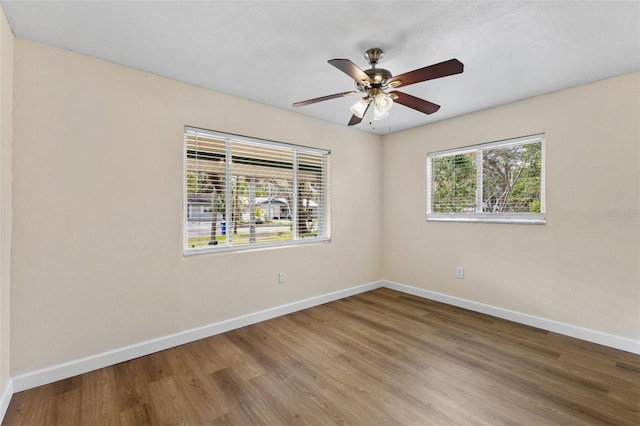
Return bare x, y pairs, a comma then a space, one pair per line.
488, 217
229, 139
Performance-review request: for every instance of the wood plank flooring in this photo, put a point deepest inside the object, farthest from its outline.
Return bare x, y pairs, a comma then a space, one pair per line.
378, 358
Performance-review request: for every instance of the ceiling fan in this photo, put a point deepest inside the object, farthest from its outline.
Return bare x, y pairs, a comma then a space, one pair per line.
375, 83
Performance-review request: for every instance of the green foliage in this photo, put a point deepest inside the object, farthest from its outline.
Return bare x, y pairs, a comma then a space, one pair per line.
454, 183
511, 180
199, 182
191, 182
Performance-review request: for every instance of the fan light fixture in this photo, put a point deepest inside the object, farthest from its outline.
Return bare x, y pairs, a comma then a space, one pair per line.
360, 107
377, 115
382, 103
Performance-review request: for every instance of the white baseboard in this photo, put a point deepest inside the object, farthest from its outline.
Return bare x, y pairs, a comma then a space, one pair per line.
6, 399
105, 359
613, 341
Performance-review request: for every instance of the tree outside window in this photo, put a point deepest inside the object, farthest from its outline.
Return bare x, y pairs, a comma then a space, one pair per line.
499, 181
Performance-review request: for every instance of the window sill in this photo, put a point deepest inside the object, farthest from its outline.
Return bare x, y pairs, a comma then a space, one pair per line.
250, 247
521, 218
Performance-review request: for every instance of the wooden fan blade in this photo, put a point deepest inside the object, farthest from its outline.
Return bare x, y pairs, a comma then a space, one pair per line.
355, 119
351, 69
415, 103
323, 98
443, 69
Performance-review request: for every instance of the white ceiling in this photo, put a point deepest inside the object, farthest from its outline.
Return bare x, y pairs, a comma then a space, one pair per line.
276, 52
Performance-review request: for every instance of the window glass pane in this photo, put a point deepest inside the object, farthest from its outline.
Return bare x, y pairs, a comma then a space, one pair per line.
310, 200
454, 183
511, 178
262, 194
205, 180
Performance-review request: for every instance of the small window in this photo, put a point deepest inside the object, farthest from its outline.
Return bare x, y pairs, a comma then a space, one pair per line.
494, 182
243, 193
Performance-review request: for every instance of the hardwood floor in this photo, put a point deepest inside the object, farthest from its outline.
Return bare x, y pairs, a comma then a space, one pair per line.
380, 357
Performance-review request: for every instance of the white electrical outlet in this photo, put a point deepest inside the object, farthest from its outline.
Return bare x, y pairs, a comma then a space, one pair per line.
459, 272
281, 277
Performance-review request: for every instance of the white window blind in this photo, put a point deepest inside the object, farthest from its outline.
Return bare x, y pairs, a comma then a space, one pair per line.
499, 181
245, 193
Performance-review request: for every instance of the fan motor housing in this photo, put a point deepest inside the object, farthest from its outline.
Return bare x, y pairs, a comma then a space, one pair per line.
380, 76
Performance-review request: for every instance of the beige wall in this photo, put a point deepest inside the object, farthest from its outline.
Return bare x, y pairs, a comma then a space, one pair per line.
582, 267
97, 225
6, 136
98, 210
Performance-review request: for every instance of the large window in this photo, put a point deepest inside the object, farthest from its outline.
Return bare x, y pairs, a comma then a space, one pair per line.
494, 182
245, 193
